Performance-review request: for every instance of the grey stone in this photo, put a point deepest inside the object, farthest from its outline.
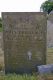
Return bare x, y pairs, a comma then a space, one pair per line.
44, 69
23, 32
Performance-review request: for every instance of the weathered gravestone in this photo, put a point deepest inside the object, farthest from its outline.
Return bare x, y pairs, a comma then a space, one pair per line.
24, 36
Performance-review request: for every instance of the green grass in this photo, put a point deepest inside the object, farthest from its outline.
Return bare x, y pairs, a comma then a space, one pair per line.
26, 77
18, 77
49, 55
50, 49
1, 29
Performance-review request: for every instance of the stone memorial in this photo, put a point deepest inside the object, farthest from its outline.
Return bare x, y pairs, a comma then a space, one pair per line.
24, 37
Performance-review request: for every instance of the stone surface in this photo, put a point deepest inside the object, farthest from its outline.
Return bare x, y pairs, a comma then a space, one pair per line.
24, 36
44, 69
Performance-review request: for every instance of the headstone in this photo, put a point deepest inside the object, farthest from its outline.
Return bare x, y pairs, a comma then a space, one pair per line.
24, 36
44, 69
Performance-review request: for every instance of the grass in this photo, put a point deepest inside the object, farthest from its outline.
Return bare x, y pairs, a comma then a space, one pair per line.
26, 77
50, 49
18, 77
50, 55
1, 29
